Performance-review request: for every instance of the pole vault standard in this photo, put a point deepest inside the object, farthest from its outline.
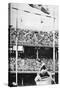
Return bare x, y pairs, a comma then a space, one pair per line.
16, 42
16, 52
54, 41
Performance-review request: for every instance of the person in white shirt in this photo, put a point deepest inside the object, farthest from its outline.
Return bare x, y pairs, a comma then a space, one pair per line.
37, 78
43, 76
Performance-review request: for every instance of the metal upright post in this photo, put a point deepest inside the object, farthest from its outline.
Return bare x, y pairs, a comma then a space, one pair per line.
53, 42
16, 54
37, 53
53, 51
16, 41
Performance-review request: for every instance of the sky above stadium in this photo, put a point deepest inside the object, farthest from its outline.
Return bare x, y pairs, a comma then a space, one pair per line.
27, 17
